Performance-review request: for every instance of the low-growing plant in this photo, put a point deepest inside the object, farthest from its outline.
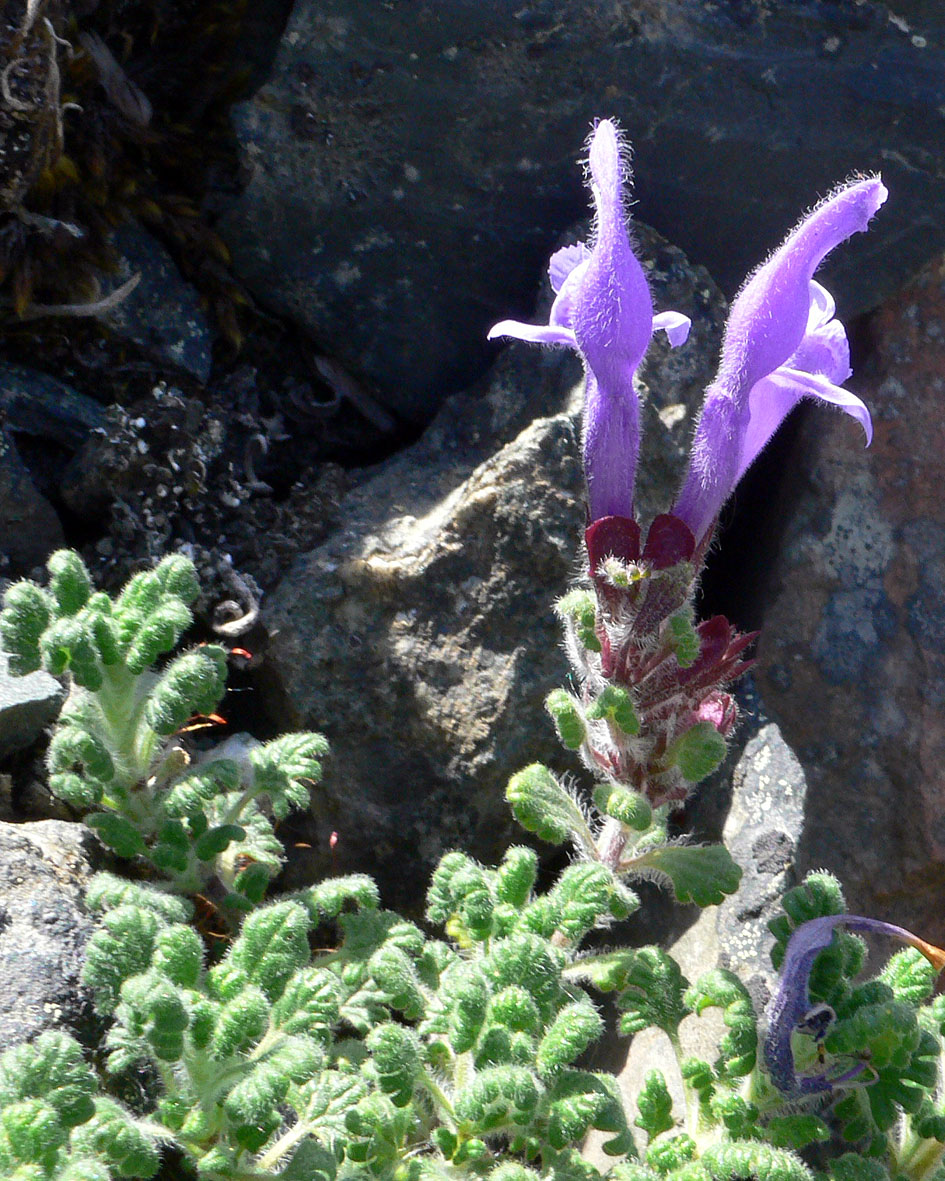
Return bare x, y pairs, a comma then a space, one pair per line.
328, 1038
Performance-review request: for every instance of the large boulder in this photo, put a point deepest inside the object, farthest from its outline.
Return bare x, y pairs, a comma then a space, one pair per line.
852, 651
421, 637
44, 870
408, 166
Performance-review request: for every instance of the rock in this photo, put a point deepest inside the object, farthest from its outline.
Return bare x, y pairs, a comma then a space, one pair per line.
420, 637
36, 404
29, 525
163, 313
27, 705
44, 870
763, 829
852, 651
407, 173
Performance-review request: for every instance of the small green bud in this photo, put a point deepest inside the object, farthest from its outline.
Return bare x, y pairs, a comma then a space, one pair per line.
614, 703
683, 638
69, 581
395, 975
542, 806
666, 1155
629, 807
568, 717
698, 751
572, 1031
177, 576
579, 606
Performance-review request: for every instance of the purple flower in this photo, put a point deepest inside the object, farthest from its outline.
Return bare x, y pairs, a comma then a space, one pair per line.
603, 309
781, 344
790, 1007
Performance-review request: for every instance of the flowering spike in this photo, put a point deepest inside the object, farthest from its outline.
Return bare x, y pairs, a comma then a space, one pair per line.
781, 344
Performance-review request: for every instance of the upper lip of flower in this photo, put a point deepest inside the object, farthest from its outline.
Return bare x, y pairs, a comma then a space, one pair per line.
782, 344
603, 309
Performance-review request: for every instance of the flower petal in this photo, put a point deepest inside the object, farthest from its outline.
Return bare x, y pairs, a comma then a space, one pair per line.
674, 324
563, 262
533, 333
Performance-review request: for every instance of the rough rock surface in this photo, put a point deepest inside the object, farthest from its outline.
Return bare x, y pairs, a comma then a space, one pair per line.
27, 704
409, 165
420, 636
44, 869
29, 526
852, 652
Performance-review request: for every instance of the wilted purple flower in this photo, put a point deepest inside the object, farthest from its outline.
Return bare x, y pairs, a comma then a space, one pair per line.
603, 309
781, 344
790, 1007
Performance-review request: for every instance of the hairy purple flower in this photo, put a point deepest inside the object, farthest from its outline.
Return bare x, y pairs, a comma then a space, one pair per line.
781, 344
790, 1007
603, 309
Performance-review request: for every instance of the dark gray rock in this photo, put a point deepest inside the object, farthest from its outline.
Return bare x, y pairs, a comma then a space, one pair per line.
44, 870
421, 637
33, 403
409, 166
163, 313
29, 527
27, 705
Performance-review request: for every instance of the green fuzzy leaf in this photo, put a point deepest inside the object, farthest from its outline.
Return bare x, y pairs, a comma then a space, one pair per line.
52, 1069
575, 1027
652, 992
723, 990
153, 1009
586, 895
33, 1131
108, 892
910, 976
178, 955
796, 1131
309, 1004
217, 840
191, 684
27, 611
240, 1023
568, 717
853, 1166
698, 751
703, 874
112, 1134
118, 833
607, 971
286, 768
177, 575
329, 898
157, 634
326, 1099
515, 877
272, 946
252, 882
655, 1105
398, 982
67, 646
542, 806
500, 1098
396, 1053
753, 1161
311, 1161
616, 705
192, 791
816, 897
668, 1154
530, 962
120, 949
69, 581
